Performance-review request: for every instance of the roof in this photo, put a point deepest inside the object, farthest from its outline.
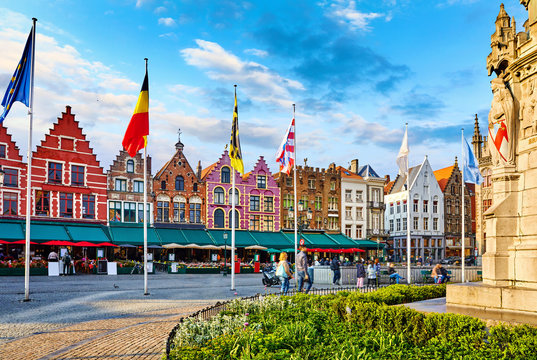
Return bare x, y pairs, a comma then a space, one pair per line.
345, 173
400, 181
207, 170
442, 183
367, 171
388, 187
444, 173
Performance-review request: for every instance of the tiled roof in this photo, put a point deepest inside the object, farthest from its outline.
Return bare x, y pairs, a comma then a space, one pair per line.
400, 181
207, 170
345, 173
367, 171
388, 187
444, 173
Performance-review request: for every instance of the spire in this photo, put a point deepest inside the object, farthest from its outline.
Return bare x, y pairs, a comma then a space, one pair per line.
456, 163
477, 139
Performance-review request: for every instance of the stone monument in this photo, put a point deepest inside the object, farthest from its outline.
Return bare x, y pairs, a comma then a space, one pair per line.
510, 259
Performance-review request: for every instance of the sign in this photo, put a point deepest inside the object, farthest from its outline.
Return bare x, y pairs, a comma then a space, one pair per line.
171, 257
214, 257
174, 267
302, 242
100, 253
149, 257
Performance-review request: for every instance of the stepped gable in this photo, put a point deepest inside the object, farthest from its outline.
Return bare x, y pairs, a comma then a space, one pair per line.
12, 150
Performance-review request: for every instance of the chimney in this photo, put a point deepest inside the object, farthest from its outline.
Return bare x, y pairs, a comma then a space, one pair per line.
387, 178
354, 166
199, 170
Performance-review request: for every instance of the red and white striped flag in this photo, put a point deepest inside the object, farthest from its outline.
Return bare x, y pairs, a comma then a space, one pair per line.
286, 152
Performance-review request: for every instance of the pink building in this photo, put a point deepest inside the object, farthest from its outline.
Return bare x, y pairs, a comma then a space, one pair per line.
257, 197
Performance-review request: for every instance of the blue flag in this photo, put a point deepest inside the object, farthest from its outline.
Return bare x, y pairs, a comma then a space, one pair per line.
19, 86
470, 165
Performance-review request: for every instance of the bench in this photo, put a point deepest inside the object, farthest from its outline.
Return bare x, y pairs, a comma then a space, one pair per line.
479, 275
426, 276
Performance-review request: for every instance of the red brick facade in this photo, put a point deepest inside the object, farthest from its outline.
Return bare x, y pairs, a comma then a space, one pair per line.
67, 180
13, 190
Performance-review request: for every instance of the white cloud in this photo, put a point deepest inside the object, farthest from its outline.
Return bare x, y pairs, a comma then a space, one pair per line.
160, 10
257, 52
345, 12
166, 21
258, 81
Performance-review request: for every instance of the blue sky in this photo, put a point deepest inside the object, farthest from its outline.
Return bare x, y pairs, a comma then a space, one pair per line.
356, 70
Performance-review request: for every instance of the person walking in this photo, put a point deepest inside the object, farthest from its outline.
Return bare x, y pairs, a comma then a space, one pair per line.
66, 263
302, 265
283, 272
371, 275
360, 275
436, 274
377, 271
393, 274
335, 267
309, 281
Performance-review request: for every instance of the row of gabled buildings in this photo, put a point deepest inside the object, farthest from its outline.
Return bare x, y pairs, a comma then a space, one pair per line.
70, 185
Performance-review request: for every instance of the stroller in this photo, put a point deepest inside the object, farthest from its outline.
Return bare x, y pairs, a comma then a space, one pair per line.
269, 276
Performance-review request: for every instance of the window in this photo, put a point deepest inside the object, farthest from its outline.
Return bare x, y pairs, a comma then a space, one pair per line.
311, 183
332, 185
269, 223
269, 203
435, 224
348, 195
404, 206
2, 151
333, 223
179, 211
332, 203
163, 185
348, 230
66, 205
195, 187
179, 183
11, 177
88, 206
359, 196
391, 208
195, 213
359, 232
121, 185
289, 181
130, 166
254, 222
219, 218
398, 224
254, 202
448, 206
376, 195
141, 212
359, 213
10, 204
425, 206
224, 175
138, 186
435, 207
416, 223
77, 175
219, 197
261, 181
319, 222
398, 207
236, 196
163, 211
237, 218
348, 213
318, 203
114, 213
287, 201
54, 173
129, 212
425, 223
416, 205
42, 203
404, 224
391, 225
303, 203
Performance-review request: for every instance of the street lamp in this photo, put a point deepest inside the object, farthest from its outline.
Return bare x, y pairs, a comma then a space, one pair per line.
225, 253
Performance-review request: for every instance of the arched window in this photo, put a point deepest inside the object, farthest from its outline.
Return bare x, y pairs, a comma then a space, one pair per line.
219, 197
130, 166
179, 183
224, 175
163, 185
219, 218
237, 218
236, 196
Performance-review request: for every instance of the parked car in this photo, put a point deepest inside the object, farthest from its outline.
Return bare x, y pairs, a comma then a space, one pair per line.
451, 260
469, 260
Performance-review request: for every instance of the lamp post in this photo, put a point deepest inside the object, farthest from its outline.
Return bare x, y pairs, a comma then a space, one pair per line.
225, 253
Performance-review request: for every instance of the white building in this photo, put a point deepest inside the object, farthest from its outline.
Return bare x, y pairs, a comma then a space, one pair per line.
353, 204
426, 215
375, 204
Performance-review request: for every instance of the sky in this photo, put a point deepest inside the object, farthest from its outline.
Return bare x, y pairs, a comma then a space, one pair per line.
357, 70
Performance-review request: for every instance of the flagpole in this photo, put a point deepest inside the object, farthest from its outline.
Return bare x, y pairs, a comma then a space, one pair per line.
296, 210
145, 203
233, 219
408, 248
462, 203
29, 174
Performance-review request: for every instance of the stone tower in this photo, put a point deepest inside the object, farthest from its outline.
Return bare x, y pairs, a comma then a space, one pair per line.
477, 139
510, 258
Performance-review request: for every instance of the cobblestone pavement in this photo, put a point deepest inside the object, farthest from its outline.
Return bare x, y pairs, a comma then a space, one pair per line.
104, 317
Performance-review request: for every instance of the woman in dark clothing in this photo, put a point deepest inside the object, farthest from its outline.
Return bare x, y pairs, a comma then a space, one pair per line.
360, 274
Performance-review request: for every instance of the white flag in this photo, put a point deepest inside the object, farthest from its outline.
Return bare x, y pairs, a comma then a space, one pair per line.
402, 157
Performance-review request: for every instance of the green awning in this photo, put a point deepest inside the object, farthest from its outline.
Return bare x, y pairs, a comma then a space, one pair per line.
171, 236
49, 232
368, 244
198, 237
275, 240
133, 234
320, 240
343, 240
242, 238
11, 231
93, 234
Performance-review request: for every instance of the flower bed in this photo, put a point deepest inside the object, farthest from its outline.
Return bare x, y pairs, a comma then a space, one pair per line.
348, 326
16, 267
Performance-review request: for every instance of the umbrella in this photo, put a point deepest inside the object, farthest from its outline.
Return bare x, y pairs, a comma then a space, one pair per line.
85, 244
228, 247
193, 246
271, 251
59, 243
154, 247
127, 245
209, 247
19, 242
173, 246
255, 247
288, 250
107, 244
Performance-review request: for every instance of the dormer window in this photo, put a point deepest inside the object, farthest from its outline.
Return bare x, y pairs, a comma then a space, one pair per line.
130, 166
179, 183
224, 175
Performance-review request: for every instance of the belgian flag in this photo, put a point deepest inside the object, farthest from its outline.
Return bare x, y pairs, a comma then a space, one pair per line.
136, 135
235, 153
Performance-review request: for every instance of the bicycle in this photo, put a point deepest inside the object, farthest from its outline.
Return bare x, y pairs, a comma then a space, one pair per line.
138, 268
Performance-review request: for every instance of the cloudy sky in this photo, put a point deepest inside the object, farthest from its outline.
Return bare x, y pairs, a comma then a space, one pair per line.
357, 70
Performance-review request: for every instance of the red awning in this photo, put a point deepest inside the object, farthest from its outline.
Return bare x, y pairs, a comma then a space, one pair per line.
85, 244
20, 242
59, 243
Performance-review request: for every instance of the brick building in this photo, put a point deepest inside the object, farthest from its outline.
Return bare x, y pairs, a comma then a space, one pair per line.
257, 201
178, 191
67, 179
319, 194
126, 189
13, 190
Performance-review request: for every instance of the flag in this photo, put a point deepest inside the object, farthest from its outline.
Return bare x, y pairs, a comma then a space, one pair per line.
402, 157
498, 135
19, 86
235, 146
136, 135
286, 152
470, 165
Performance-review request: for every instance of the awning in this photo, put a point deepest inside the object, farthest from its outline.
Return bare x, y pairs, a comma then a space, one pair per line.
11, 231
48, 232
242, 238
342, 240
369, 244
92, 234
198, 237
133, 235
171, 236
275, 240
319, 240
59, 243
